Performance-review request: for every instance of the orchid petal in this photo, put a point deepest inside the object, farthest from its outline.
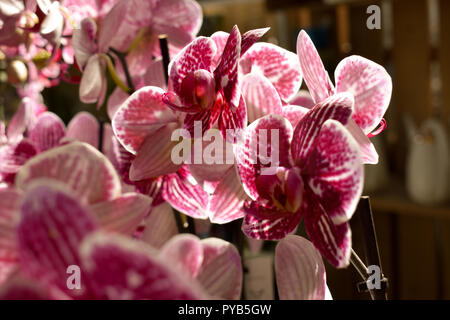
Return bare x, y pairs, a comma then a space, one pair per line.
131, 270
195, 56
371, 86
142, 114
337, 107
20, 121
256, 151
335, 172
115, 101
314, 73
47, 132
184, 196
154, 157
160, 226
53, 24
232, 118
261, 97
278, 65
18, 287
184, 252
122, 214
368, 152
50, 232
293, 113
79, 166
299, 269
225, 205
84, 127
226, 73
13, 157
220, 39
274, 228
221, 271
83, 41
250, 37
302, 98
93, 82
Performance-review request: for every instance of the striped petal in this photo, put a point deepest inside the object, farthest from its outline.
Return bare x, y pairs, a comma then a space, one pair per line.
299, 270
220, 39
335, 172
221, 271
47, 132
371, 86
368, 152
122, 214
160, 226
279, 66
258, 152
84, 127
337, 107
294, 113
226, 73
121, 268
303, 98
197, 55
251, 37
183, 252
333, 241
19, 287
13, 157
154, 157
260, 96
143, 113
232, 118
79, 166
185, 196
225, 204
314, 73
51, 229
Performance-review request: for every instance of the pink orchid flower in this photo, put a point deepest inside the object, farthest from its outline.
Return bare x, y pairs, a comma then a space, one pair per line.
92, 181
208, 92
369, 83
114, 266
300, 271
319, 177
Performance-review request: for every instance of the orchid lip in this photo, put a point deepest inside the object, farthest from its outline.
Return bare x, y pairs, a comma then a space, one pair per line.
188, 109
380, 129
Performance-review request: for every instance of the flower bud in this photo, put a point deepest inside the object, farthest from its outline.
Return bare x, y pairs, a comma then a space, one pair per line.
17, 72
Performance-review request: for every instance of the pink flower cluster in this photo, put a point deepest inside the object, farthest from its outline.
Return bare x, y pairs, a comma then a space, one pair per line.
102, 198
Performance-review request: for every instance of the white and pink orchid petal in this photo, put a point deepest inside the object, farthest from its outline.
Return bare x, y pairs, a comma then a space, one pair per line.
47, 132
121, 268
10, 8
299, 270
84, 127
369, 154
184, 252
270, 229
179, 19
335, 172
337, 107
220, 39
278, 65
18, 287
53, 24
122, 214
332, 241
154, 75
185, 196
258, 152
160, 226
115, 101
221, 271
371, 86
13, 157
20, 121
225, 204
195, 56
314, 73
83, 42
93, 81
232, 118
302, 98
142, 114
154, 157
250, 37
50, 231
226, 73
261, 97
293, 113
79, 166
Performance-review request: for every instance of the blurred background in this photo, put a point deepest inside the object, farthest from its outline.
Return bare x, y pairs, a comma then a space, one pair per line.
409, 188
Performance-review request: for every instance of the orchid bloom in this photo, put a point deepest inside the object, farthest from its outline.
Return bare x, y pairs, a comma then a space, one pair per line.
319, 177
113, 266
300, 271
369, 83
92, 181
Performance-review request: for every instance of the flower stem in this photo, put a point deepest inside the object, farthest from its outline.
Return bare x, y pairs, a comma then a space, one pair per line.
123, 62
164, 46
113, 73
